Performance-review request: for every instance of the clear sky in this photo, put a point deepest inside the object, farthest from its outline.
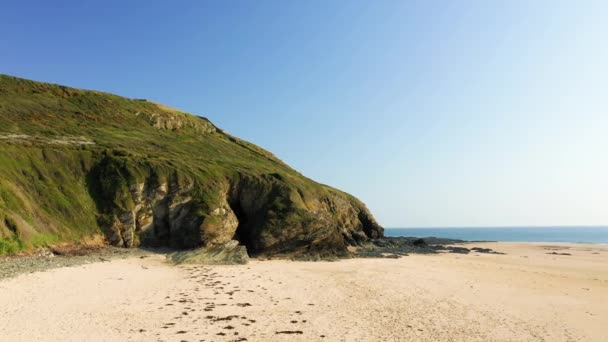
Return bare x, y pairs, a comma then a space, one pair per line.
434, 113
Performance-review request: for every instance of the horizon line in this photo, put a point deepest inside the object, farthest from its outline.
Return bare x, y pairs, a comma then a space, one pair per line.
518, 226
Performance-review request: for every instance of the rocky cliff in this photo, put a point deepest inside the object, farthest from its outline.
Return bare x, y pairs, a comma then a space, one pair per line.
75, 163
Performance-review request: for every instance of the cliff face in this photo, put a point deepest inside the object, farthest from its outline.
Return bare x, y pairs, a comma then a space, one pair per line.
74, 163
266, 214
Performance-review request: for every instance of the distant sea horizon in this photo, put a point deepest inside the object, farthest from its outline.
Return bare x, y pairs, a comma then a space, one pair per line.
574, 234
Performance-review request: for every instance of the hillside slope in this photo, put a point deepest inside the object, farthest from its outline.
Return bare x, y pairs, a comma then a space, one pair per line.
76, 163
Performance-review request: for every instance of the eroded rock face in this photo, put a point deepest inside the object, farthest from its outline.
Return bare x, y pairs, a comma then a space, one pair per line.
266, 214
219, 226
161, 215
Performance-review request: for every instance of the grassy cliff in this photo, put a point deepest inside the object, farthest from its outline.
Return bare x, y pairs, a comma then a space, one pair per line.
75, 163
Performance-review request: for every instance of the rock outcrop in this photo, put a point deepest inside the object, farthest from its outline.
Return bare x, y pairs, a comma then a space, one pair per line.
229, 253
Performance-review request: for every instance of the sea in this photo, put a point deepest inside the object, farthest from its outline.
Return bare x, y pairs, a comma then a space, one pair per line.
584, 234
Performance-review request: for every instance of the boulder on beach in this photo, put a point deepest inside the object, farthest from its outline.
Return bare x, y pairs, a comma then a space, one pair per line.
230, 253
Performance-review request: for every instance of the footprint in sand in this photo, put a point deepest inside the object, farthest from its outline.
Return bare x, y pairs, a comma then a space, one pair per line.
298, 332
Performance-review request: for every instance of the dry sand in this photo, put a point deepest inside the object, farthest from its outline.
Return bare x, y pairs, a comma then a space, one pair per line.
525, 295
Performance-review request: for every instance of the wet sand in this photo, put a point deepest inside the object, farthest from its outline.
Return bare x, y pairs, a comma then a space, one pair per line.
525, 295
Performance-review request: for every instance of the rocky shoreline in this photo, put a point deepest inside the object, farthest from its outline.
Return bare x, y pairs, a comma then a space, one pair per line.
67, 256
396, 247
45, 259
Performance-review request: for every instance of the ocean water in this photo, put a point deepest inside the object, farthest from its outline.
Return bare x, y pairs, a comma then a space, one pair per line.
514, 234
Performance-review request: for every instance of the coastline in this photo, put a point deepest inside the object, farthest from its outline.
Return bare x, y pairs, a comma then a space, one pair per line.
540, 234
523, 295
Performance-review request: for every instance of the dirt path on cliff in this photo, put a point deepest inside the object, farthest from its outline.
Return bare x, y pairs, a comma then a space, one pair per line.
526, 295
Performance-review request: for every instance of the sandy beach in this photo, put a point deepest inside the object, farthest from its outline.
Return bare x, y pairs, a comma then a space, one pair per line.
525, 295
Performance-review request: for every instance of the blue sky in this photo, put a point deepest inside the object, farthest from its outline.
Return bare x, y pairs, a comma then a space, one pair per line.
434, 113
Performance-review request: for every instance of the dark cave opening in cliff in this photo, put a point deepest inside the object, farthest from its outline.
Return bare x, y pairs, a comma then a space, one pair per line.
243, 231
